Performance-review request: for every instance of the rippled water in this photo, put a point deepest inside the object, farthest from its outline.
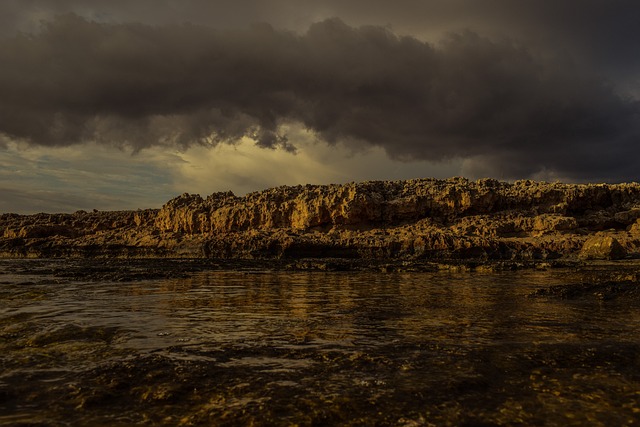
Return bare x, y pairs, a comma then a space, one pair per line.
276, 348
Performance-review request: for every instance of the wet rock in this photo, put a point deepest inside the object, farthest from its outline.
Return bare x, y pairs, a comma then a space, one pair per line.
601, 291
603, 248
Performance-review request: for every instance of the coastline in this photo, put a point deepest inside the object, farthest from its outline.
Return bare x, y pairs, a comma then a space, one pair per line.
416, 222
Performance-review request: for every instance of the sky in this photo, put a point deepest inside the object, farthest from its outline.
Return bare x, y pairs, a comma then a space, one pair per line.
127, 103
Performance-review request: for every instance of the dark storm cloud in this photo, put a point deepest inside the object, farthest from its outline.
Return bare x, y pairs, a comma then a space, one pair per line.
494, 102
606, 28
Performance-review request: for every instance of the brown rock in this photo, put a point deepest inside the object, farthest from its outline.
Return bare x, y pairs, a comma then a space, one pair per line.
627, 217
550, 223
413, 219
45, 230
602, 247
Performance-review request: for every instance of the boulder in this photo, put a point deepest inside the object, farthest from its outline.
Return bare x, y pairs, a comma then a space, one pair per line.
602, 247
627, 217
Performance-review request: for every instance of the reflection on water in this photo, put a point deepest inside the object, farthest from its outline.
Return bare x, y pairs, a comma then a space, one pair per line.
235, 348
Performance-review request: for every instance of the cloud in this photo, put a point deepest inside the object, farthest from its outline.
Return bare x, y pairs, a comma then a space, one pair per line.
88, 176
244, 167
65, 179
494, 102
606, 28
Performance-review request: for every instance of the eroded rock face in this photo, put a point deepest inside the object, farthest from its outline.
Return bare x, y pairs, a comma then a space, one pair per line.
414, 219
535, 206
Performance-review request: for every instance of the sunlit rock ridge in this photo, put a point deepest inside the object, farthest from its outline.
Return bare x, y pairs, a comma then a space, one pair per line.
413, 220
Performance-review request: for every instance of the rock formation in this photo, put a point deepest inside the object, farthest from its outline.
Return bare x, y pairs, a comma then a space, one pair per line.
602, 247
421, 219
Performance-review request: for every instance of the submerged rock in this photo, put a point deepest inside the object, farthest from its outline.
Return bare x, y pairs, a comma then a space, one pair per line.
600, 291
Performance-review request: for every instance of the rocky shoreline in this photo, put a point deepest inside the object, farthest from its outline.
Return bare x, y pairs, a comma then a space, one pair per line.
413, 222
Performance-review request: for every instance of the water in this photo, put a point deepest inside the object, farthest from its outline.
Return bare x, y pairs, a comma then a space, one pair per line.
282, 348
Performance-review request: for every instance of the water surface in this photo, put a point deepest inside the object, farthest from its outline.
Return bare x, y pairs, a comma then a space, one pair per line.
282, 348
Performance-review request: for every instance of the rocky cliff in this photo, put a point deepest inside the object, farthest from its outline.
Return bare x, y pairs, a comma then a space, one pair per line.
422, 219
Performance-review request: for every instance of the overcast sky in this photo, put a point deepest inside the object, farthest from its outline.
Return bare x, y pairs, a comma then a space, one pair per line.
127, 103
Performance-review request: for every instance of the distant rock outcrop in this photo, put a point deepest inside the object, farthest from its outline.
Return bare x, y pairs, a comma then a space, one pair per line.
414, 219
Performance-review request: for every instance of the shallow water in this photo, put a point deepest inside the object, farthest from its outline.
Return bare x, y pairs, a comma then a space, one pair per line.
282, 348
